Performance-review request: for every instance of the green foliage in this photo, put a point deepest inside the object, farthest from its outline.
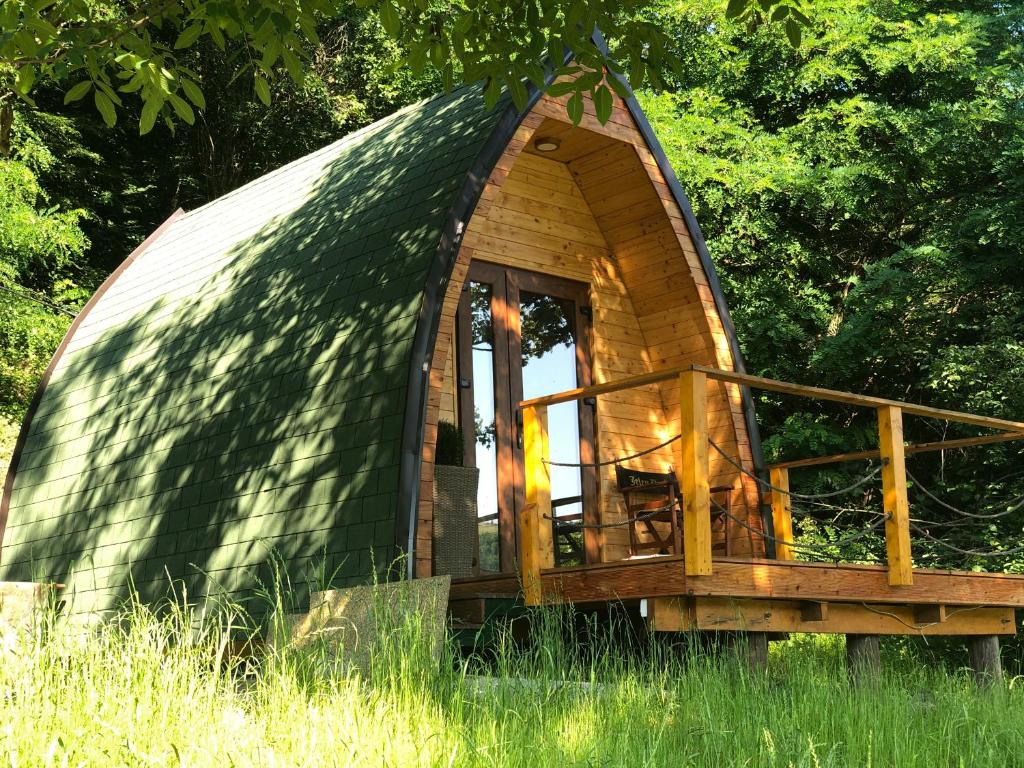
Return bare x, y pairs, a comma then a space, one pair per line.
862, 199
450, 445
40, 251
115, 51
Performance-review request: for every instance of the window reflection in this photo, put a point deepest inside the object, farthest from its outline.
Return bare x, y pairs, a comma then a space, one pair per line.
482, 324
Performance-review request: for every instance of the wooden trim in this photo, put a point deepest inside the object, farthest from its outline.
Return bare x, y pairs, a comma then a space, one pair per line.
680, 614
910, 448
784, 387
19, 446
775, 579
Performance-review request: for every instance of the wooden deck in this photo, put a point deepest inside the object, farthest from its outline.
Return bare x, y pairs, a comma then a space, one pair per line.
779, 596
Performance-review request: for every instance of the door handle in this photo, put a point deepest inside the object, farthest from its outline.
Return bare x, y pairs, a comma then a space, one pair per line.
519, 428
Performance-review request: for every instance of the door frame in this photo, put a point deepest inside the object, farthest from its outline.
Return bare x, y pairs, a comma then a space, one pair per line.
507, 283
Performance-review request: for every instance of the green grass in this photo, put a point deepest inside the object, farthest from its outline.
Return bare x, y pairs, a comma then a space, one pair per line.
154, 691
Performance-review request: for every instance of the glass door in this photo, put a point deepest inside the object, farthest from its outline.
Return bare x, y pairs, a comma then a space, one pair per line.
523, 335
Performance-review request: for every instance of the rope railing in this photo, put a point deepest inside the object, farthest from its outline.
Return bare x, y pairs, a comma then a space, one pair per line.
693, 472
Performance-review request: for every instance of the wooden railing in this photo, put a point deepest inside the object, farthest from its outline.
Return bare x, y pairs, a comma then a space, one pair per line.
537, 547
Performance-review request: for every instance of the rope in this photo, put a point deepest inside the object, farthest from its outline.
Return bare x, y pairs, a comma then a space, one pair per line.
32, 297
805, 496
804, 547
971, 552
638, 519
924, 625
610, 462
1017, 504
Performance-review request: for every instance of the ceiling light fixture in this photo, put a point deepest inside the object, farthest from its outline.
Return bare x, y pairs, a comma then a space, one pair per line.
547, 144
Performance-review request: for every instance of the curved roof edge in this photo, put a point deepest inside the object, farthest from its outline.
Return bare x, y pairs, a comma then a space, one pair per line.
429, 321
440, 273
37, 397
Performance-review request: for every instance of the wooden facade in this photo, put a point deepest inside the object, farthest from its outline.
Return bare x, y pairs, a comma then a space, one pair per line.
597, 210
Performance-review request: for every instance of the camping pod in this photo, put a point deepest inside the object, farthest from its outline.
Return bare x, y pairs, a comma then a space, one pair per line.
264, 377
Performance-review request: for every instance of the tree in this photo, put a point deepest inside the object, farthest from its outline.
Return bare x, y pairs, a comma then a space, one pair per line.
113, 49
862, 199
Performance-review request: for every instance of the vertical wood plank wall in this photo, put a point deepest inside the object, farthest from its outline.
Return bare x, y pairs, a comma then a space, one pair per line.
606, 218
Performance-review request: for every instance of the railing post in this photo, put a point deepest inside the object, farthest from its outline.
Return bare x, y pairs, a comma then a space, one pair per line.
894, 495
782, 512
693, 472
536, 548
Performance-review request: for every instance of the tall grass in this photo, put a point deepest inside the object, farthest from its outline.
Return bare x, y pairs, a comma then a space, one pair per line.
156, 689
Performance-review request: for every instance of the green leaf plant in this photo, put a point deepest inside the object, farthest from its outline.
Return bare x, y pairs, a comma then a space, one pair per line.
135, 51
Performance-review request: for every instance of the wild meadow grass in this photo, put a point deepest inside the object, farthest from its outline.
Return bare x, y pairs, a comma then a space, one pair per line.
156, 689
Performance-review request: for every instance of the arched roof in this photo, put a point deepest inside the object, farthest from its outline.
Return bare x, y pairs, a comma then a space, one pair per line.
242, 381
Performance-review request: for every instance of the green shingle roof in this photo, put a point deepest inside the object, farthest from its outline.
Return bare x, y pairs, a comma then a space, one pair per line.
242, 386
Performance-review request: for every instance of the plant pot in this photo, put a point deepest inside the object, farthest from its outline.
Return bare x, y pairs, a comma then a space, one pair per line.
455, 523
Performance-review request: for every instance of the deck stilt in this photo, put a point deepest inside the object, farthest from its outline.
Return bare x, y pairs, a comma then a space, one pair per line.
751, 648
863, 659
985, 661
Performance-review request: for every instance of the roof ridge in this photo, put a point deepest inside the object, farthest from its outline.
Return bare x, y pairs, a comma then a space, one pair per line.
334, 145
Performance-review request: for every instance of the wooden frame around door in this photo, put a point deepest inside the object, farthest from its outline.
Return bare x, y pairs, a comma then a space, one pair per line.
506, 284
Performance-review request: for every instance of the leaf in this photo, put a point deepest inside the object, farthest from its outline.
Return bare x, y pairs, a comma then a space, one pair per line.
795, 12
736, 8
518, 91
193, 93
561, 88
78, 91
793, 32
574, 108
492, 93
262, 88
150, 111
181, 108
619, 85
188, 37
105, 107
26, 78
390, 19
780, 13
294, 66
603, 103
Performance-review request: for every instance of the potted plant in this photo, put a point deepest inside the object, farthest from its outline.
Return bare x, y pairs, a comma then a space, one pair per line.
455, 512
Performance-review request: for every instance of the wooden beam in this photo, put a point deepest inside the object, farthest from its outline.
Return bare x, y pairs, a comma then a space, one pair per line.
536, 548
775, 579
894, 496
773, 385
811, 611
782, 513
908, 449
868, 401
693, 473
680, 614
929, 614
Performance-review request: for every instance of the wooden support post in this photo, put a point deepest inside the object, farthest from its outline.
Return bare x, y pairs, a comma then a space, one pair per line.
752, 649
782, 513
863, 660
985, 661
536, 548
894, 494
693, 473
